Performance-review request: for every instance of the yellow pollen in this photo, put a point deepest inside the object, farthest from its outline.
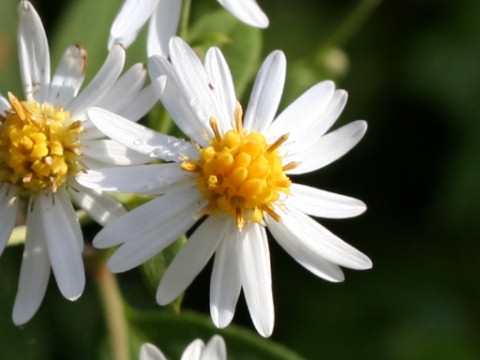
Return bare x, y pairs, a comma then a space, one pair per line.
38, 146
214, 125
240, 174
277, 143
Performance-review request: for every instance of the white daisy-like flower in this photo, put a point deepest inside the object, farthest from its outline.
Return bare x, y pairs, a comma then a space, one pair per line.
164, 17
45, 141
197, 350
236, 173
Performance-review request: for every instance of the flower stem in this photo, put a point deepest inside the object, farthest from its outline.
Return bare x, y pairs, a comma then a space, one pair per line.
183, 28
359, 14
114, 313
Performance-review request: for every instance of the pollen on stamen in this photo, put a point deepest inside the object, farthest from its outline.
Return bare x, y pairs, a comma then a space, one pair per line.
290, 166
238, 118
190, 166
277, 143
272, 213
39, 146
240, 174
239, 218
214, 126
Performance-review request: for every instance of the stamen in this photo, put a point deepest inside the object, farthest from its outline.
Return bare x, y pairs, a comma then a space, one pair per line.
269, 210
39, 146
17, 106
214, 126
240, 174
238, 118
290, 166
190, 166
239, 218
277, 143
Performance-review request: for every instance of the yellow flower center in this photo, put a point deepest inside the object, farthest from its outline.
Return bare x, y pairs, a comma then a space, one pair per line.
38, 146
240, 174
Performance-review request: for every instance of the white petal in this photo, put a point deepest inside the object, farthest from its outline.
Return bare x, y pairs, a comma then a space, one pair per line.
297, 119
222, 82
302, 140
309, 235
68, 76
100, 206
146, 217
151, 352
33, 53
225, 282
173, 99
312, 261
71, 216
140, 138
157, 234
197, 85
8, 213
100, 84
266, 93
323, 203
62, 244
124, 89
247, 11
35, 270
141, 179
130, 19
193, 350
4, 104
329, 148
112, 152
190, 260
215, 349
141, 104
163, 25
256, 278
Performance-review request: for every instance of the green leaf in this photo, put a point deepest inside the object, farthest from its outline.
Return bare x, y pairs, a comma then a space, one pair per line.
172, 333
154, 269
9, 68
241, 44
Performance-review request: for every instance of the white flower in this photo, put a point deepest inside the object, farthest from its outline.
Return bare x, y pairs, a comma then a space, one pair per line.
164, 17
214, 350
45, 141
236, 172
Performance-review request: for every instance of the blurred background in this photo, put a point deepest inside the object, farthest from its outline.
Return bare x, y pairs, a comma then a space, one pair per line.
412, 70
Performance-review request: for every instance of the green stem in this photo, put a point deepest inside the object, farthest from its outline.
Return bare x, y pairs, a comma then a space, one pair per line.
111, 299
183, 28
359, 14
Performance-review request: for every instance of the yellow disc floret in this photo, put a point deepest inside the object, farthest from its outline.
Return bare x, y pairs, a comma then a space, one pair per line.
38, 146
240, 174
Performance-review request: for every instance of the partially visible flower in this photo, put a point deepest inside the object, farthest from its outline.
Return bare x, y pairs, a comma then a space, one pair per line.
45, 141
214, 350
237, 174
164, 17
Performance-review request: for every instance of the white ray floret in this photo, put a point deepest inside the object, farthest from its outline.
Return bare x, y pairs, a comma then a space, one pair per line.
54, 239
164, 17
215, 349
236, 175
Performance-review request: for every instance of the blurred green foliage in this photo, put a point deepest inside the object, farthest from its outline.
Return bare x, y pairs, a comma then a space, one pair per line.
412, 71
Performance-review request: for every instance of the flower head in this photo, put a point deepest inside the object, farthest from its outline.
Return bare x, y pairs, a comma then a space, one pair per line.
45, 141
238, 173
197, 350
164, 16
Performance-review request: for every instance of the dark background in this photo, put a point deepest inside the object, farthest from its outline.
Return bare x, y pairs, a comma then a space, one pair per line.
412, 71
